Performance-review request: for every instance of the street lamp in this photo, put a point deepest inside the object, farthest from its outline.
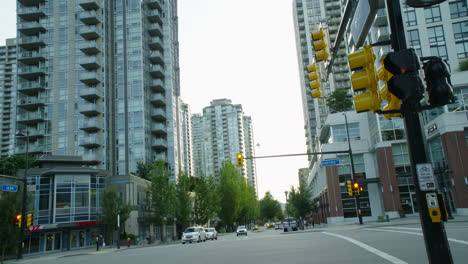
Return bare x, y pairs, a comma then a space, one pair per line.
353, 173
25, 186
287, 211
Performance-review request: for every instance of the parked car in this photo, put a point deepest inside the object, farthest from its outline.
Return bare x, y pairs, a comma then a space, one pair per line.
211, 233
193, 234
241, 230
278, 225
255, 228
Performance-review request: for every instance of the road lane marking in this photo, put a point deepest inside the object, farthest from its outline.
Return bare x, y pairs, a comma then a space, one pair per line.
97, 252
414, 233
402, 228
377, 252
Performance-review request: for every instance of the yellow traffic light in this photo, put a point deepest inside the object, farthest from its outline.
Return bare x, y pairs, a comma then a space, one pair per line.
18, 221
29, 220
240, 160
320, 45
393, 103
357, 189
349, 186
314, 78
364, 81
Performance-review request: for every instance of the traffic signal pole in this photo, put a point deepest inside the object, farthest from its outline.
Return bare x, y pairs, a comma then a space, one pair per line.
353, 172
435, 238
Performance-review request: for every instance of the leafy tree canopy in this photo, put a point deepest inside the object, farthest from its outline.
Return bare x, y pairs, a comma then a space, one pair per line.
339, 101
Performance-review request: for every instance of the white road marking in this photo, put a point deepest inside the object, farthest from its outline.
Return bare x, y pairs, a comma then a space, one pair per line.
377, 252
419, 234
402, 228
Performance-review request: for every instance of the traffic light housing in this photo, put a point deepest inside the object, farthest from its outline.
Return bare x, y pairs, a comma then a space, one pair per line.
405, 84
314, 78
393, 103
320, 45
437, 78
18, 220
29, 220
240, 160
349, 186
357, 188
364, 81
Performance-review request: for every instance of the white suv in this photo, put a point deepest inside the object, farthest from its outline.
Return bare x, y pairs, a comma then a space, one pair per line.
241, 230
193, 234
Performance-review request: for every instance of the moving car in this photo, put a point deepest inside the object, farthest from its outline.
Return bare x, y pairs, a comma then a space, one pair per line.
193, 234
241, 230
211, 233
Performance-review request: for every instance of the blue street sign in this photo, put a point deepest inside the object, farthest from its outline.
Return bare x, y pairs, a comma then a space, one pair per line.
9, 188
330, 162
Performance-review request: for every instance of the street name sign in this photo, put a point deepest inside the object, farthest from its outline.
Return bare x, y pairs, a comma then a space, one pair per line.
9, 188
330, 162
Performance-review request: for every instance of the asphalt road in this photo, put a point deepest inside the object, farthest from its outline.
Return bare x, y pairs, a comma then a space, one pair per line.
349, 244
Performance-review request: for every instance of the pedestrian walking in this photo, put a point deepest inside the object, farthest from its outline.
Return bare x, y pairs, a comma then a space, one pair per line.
128, 242
101, 241
97, 243
313, 224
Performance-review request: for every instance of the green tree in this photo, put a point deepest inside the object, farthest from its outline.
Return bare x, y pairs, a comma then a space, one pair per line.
339, 101
183, 200
112, 205
229, 193
11, 164
206, 204
464, 65
300, 201
10, 206
144, 170
248, 203
270, 209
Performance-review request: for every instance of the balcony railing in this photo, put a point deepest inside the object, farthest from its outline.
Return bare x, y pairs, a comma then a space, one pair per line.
31, 13
89, 93
156, 43
158, 100
90, 32
88, 4
90, 78
155, 30
91, 17
33, 86
31, 27
31, 41
89, 62
90, 125
156, 71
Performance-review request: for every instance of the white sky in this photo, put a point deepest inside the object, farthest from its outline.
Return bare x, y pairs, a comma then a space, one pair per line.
243, 50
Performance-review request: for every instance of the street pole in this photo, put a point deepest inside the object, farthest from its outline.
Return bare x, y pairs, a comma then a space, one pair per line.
435, 238
287, 211
118, 231
353, 172
23, 210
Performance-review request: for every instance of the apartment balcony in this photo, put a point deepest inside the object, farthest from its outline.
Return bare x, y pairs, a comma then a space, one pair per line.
154, 4
90, 78
154, 16
90, 32
156, 43
32, 148
31, 42
31, 2
91, 158
156, 71
31, 27
381, 18
32, 87
158, 114
90, 62
90, 142
155, 30
159, 129
89, 47
33, 134
89, 4
31, 102
31, 57
89, 109
156, 57
158, 100
159, 144
382, 34
31, 13
332, 5
89, 93
91, 125
91, 17
157, 86
30, 72
31, 118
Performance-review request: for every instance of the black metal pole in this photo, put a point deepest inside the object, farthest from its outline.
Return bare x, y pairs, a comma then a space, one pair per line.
353, 172
287, 211
435, 238
23, 210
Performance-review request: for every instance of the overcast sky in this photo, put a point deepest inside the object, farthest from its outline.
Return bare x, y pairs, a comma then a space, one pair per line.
243, 50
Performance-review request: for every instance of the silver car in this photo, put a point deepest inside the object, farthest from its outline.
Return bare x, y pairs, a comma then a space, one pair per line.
193, 234
211, 233
241, 230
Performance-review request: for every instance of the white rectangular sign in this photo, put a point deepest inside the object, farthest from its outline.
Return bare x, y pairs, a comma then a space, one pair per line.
425, 177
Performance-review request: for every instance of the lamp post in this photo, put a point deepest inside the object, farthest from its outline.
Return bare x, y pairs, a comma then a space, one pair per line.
353, 173
25, 186
287, 211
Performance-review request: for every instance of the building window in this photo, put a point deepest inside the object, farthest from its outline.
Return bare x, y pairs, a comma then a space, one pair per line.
414, 41
460, 31
458, 9
411, 18
339, 132
392, 129
437, 41
432, 14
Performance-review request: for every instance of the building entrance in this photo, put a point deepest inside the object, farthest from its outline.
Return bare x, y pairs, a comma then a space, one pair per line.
53, 241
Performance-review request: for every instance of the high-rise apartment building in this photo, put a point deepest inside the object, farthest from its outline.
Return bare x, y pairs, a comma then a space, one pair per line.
218, 135
379, 145
309, 16
100, 79
7, 97
186, 128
